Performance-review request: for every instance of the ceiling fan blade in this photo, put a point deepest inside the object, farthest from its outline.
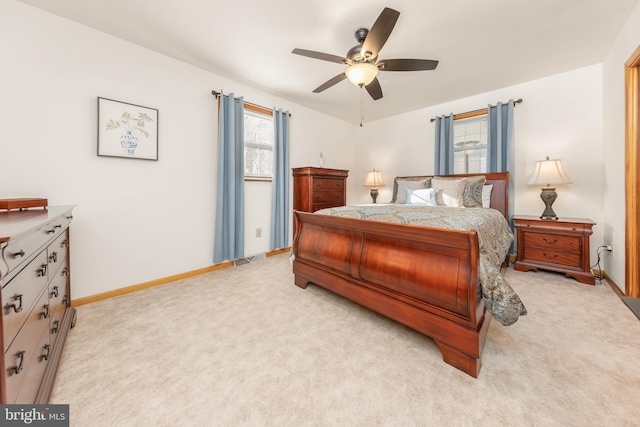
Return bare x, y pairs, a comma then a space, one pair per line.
374, 89
379, 33
326, 85
320, 55
407, 64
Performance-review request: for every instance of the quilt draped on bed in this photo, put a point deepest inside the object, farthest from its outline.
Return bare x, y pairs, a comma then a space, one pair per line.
494, 237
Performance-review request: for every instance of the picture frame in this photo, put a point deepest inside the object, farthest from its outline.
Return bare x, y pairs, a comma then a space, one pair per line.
127, 130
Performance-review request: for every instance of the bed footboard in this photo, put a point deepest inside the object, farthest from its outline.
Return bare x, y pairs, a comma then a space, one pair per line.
424, 278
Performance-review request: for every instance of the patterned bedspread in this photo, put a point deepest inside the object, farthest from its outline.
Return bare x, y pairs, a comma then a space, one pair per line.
494, 237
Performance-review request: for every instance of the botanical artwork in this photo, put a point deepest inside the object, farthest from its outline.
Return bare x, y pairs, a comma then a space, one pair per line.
127, 130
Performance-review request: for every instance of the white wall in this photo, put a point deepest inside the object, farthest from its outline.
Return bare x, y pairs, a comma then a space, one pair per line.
560, 117
614, 152
135, 220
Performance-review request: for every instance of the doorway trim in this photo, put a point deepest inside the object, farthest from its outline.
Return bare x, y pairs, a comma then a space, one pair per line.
632, 175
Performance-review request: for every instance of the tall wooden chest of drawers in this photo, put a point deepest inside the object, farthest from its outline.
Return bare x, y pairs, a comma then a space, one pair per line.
319, 188
35, 300
556, 245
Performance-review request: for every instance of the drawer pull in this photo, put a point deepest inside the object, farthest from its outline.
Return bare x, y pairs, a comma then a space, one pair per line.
69, 217
57, 226
17, 309
45, 356
551, 243
42, 271
45, 312
56, 324
53, 257
65, 300
64, 243
54, 292
17, 369
65, 271
550, 257
18, 254
53, 230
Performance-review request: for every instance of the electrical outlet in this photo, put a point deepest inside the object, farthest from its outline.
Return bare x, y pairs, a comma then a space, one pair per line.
609, 248
258, 232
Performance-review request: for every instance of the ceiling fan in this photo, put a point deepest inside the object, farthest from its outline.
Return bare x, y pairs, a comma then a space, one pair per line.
363, 61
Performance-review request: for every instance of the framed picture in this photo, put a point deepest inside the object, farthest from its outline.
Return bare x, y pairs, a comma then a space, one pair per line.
127, 130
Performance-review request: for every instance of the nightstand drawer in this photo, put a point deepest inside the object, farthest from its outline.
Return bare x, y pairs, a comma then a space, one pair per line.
554, 241
571, 259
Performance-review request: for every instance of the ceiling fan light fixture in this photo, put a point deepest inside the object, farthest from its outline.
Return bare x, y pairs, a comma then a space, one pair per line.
361, 74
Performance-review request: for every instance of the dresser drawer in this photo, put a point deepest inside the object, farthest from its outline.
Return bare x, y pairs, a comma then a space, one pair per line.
328, 184
57, 252
21, 248
58, 287
554, 241
26, 358
318, 206
551, 256
328, 197
21, 294
55, 325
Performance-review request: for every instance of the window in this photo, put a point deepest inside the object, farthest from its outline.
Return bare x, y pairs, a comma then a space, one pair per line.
470, 144
258, 143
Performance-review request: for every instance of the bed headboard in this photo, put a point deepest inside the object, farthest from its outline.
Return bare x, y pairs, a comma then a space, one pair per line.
499, 193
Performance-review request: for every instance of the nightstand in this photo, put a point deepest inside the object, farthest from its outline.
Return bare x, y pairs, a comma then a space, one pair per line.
560, 245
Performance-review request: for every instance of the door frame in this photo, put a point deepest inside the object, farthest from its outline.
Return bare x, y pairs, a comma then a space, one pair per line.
632, 175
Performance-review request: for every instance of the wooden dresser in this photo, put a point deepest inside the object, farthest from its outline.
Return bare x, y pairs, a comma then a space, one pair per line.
556, 245
35, 299
319, 188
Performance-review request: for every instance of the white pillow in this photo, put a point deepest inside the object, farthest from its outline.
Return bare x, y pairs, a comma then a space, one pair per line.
486, 195
449, 191
422, 196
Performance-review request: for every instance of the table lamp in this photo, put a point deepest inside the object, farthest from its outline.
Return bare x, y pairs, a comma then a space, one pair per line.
549, 172
374, 180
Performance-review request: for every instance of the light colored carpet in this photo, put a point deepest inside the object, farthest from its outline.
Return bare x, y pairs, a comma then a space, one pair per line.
245, 347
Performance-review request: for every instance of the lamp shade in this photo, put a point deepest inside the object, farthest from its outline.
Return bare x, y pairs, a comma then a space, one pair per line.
374, 179
361, 74
549, 172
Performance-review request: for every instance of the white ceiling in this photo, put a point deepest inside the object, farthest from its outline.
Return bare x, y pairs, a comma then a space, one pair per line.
481, 45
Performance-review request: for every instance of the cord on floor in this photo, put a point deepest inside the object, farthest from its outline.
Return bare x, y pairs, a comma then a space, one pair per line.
599, 276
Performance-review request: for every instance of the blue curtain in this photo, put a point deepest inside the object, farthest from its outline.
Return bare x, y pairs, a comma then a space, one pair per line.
500, 150
280, 183
229, 227
444, 145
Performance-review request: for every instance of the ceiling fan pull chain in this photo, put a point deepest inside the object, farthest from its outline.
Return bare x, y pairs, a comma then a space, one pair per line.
361, 104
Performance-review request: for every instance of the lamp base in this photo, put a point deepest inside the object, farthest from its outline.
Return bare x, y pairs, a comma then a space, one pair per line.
374, 194
548, 196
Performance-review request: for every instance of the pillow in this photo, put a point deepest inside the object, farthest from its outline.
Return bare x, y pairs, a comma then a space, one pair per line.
422, 196
486, 195
449, 191
404, 184
472, 195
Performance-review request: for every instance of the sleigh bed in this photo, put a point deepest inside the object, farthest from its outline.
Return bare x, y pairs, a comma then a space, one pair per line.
444, 283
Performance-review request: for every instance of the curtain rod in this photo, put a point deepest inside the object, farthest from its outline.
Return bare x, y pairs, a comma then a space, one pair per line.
518, 101
217, 94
